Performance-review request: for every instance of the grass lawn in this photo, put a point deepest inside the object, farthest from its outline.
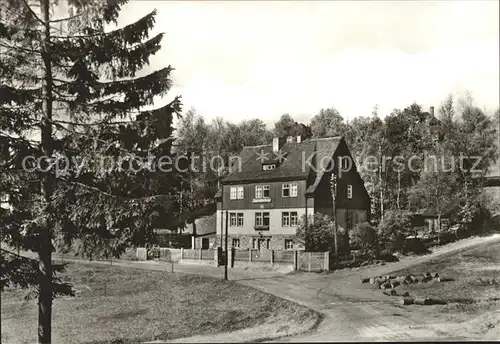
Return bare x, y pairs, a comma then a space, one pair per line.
130, 305
468, 298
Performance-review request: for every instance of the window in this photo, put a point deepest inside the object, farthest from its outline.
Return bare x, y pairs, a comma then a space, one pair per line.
254, 244
258, 219
288, 244
289, 139
285, 219
345, 162
262, 191
236, 192
240, 192
349, 191
289, 190
258, 191
265, 219
232, 219
236, 243
285, 190
267, 191
236, 219
289, 218
262, 219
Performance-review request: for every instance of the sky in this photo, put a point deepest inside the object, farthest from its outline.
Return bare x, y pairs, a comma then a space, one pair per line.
261, 59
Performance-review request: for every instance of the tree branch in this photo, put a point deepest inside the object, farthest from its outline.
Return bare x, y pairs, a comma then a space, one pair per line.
65, 19
33, 12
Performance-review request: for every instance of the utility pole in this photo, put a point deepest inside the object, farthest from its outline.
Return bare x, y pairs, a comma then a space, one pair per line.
333, 188
225, 247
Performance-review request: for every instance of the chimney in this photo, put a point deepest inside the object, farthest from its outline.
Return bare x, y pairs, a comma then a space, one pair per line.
431, 111
299, 139
277, 143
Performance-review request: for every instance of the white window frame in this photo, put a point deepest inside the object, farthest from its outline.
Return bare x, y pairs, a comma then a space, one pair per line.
261, 216
285, 186
265, 188
294, 189
240, 192
258, 191
239, 216
232, 192
232, 220
349, 191
294, 218
258, 218
235, 243
285, 219
288, 244
268, 167
267, 215
344, 161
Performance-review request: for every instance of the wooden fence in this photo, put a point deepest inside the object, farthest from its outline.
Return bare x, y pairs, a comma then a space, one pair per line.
270, 256
297, 260
313, 261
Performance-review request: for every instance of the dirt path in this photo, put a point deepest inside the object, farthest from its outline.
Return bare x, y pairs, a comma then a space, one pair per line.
358, 314
350, 313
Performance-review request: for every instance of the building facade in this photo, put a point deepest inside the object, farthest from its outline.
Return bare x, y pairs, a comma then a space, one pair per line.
275, 185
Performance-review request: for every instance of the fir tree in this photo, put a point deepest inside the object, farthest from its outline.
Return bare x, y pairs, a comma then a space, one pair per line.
70, 89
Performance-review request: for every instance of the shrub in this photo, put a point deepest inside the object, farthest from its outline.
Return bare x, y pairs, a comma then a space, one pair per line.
319, 234
364, 237
394, 229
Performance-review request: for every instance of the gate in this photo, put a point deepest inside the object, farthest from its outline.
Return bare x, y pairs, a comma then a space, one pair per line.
312, 261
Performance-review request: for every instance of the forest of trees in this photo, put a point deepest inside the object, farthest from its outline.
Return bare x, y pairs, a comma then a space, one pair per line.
454, 143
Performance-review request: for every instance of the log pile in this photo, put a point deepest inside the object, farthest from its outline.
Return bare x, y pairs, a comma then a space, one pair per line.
388, 283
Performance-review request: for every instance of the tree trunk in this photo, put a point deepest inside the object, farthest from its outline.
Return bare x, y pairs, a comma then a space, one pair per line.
399, 191
45, 235
439, 228
380, 183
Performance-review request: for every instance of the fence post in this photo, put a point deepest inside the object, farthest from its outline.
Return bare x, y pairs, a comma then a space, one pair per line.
272, 257
201, 254
182, 253
250, 255
216, 257
295, 264
309, 261
327, 261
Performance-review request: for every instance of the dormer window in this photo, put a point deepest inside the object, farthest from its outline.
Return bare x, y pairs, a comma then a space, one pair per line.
268, 167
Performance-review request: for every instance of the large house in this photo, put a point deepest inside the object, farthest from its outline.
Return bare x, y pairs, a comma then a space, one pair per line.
272, 186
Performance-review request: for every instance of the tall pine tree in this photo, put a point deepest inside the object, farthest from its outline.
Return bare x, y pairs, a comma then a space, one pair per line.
71, 100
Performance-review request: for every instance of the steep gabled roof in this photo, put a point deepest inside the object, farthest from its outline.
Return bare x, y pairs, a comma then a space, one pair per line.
294, 166
290, 167
325, 147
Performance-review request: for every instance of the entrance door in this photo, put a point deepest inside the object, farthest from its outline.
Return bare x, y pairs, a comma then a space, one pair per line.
205, 243
262, 244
